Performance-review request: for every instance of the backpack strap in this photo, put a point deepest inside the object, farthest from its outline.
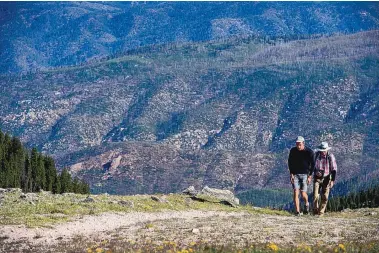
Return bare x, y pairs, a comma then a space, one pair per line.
318, 156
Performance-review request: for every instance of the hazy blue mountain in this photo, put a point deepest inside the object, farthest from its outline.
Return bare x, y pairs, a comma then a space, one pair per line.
40, 35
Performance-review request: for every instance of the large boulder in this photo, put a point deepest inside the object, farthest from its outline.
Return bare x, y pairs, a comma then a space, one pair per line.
214, 195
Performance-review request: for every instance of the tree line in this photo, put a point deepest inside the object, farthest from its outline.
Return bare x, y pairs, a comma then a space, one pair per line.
363, 198
33, 171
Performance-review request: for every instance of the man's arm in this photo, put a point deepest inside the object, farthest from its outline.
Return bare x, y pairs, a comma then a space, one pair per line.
290, 165
333, 170
311, 165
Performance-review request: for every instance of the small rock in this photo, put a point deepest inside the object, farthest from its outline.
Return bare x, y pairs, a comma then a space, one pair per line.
88, 200
126, 203
196, 231
371, 214
190, 191
206, 229
161, 200
68, 194
188, 201
45, 192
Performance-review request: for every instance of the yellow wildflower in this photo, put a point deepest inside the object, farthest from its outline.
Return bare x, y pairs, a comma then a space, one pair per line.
89, 250
192, 243
304, 248
99, 250
183, 251
342, 247
190, 250
273, 247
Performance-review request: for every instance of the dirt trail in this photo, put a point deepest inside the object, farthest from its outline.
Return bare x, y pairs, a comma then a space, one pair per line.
190, 226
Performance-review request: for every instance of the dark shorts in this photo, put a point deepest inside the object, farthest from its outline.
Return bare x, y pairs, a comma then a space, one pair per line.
300, 182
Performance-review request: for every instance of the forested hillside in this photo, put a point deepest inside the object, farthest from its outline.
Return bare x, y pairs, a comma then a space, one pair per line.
32, 171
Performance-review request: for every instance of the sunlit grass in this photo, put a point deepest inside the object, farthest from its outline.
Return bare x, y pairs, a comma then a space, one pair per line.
50, 209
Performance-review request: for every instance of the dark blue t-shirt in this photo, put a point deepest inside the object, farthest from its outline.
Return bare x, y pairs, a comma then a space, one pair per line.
301, 161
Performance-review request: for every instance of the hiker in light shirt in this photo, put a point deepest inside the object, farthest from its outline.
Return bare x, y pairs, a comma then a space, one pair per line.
324, 177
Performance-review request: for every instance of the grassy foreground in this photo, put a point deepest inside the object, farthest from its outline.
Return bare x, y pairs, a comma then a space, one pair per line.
46, 210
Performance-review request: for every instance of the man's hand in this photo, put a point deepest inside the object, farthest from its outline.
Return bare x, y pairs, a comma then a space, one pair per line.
292, 178
309, 179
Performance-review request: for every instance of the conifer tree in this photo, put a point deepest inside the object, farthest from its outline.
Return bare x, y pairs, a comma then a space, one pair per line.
27, 181
65, 180
17, 160
57, 184
34, 168
41, 174
50, 171
85, 189
75, 186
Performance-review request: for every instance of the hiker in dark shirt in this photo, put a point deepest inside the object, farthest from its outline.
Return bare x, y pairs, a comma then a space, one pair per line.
301, 165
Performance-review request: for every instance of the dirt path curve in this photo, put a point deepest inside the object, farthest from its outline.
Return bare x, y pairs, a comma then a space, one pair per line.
96, 225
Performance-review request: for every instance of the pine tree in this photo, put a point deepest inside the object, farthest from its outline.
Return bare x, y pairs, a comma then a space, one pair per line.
27, 181
41, 174
85, 188
17, 162
57, 184
34, 168
5, 165
51, 172
75, 185
65, 180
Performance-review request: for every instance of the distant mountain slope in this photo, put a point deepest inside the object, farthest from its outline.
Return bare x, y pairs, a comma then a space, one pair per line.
41, 35
221, 113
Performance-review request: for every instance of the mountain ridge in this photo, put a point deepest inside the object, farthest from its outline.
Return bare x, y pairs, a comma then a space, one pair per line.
44, 35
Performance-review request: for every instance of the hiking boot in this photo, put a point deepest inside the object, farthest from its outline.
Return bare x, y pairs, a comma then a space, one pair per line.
298, 214
306, 209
